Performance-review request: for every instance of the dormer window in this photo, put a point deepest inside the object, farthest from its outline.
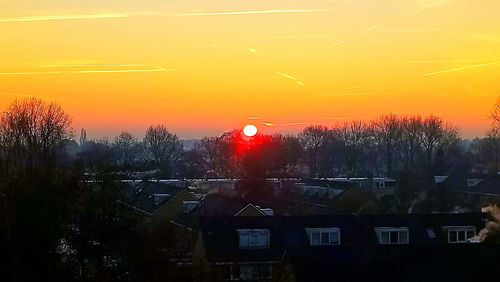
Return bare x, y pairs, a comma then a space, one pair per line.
392, 235
253, 238
188, 206
323, 236
159, 198
460, 234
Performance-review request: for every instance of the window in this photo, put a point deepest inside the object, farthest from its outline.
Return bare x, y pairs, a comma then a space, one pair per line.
188, 206
460, 234
323, 236
431, 233
159, 198
253, 238
389, 235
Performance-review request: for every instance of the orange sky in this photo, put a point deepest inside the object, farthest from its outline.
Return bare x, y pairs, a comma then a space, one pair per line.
202, 67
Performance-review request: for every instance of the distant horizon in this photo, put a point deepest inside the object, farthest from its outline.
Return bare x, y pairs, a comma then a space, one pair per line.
187, 134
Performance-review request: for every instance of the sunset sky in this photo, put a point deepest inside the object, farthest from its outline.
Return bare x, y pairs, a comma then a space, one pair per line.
202, 67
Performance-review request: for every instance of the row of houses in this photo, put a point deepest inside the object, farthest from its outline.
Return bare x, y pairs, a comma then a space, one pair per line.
344, 247
319, 231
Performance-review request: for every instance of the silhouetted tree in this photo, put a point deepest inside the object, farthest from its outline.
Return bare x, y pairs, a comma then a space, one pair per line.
435, 134
313, 139
31, 133
37, 190
98, 155
387, 133
127, 148
411, 128
163, 147
354, 138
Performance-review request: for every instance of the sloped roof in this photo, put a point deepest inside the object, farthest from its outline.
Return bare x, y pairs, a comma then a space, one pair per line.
221, 240
140, 195
213, 205
482, 185
457, 262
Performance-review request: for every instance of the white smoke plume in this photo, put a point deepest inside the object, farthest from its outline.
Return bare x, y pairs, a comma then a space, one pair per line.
491, 230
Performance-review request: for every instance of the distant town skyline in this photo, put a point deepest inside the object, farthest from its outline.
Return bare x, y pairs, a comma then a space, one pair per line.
204, 67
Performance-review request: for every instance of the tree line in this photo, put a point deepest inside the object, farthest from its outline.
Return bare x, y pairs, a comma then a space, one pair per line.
387, 146
55, 225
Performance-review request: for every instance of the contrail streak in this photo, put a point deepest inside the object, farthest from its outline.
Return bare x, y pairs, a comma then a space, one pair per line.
411, 30
291, 78
63, 17
365, 31
432, 5
88, 71
439, 61
89, 65
356, 36
459, 69
270, 124
250, 12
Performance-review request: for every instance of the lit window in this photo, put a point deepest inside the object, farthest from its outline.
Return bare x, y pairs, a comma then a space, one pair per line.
460, 234
253, 238
323, 236
389, 235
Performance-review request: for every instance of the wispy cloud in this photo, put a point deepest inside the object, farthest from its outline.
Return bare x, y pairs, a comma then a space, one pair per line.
299, 123
158, 69
271, 124
432, 5
88, 65
459, 69
362, 33
440, 61
411, 30
63, 17
291, 78
252, 12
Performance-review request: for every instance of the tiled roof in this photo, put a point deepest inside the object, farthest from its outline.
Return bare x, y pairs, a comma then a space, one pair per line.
481, 185
287, 233
141, 195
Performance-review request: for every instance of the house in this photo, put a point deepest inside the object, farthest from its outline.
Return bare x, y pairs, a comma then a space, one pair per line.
355, 200
217, 205
345, 247
383, 188
306, 200
156, 202
474, 192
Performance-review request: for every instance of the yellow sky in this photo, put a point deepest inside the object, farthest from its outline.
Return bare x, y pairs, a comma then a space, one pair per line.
202, 67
